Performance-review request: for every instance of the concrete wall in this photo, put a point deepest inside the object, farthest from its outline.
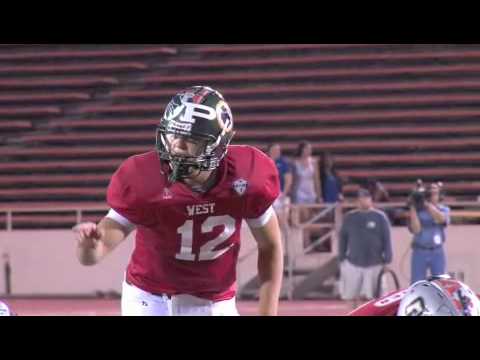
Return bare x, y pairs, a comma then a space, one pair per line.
44, 262
462, 247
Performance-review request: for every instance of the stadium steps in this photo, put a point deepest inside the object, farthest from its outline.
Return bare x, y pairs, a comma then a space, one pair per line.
316, 278
312, 268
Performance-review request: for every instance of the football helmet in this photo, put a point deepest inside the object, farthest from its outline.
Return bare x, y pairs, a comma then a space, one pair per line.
199, 114
441, 296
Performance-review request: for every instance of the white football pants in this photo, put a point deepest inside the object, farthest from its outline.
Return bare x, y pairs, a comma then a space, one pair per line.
137, 302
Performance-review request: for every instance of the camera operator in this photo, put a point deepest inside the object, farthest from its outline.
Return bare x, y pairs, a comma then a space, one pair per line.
428, 220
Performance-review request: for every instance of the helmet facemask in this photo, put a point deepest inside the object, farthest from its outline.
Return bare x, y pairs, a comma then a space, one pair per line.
207, 158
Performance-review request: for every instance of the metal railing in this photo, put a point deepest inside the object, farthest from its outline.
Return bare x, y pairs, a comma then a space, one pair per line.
469, 209
325, 211
79, 209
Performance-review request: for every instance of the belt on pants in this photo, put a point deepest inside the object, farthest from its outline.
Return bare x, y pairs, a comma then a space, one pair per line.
156, 294
422, 247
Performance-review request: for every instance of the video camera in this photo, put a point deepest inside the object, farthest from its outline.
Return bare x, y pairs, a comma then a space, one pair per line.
419, 195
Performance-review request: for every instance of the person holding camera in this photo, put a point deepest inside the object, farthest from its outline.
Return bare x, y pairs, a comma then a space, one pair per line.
427, 222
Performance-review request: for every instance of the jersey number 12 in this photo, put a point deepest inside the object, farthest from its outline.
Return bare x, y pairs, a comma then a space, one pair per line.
206, 251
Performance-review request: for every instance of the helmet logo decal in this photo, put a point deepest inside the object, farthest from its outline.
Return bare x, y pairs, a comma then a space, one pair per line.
190, 111
181, 118
173, 111
416, 307
180, 126
224, 117
193, 110
186, 97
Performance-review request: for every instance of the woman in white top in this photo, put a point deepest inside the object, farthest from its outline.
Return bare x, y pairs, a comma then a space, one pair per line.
306, 189
306, 182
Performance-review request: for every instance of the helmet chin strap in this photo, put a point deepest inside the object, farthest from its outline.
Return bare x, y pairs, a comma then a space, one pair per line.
191, 172
174, 175
181, 171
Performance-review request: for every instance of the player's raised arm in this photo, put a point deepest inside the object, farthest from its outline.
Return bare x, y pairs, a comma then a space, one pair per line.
95, 241
270, 263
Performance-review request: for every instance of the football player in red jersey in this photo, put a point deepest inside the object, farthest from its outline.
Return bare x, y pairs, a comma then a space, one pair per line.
438, 296
187, 200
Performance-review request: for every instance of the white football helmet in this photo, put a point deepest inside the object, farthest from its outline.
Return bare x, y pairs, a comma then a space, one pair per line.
440, 296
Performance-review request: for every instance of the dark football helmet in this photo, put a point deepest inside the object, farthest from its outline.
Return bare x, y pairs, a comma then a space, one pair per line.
198, 114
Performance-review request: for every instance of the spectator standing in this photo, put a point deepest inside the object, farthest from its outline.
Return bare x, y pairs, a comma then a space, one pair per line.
306, 182
364, 248
285, 175
330, 180
378, 191
428, 220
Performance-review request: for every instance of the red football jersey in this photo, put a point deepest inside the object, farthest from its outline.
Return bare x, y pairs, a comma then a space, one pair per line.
385, 306
189, 242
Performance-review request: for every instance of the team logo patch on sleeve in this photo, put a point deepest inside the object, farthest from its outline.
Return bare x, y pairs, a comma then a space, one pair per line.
240, 186
167, 194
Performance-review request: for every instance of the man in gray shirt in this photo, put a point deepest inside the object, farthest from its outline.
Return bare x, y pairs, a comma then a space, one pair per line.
364, 248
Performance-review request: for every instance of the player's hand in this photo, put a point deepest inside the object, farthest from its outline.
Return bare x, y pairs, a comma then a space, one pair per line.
87, 234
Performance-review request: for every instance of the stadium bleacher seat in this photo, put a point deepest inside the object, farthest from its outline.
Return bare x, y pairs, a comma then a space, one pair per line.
71, 68
43, 98
57, 83
346, 73
85, 54
316, 59
358, 87
72, 113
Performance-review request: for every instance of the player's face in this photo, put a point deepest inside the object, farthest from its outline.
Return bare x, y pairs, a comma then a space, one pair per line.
184, 146
180, 145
